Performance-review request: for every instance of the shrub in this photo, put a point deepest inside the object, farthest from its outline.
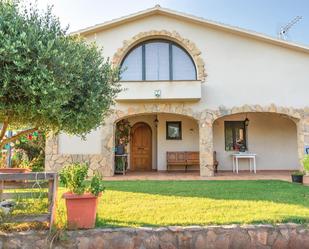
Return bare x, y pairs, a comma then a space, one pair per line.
74, 177
96, 185
298, 173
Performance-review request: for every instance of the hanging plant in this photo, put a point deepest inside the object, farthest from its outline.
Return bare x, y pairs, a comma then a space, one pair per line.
122, 133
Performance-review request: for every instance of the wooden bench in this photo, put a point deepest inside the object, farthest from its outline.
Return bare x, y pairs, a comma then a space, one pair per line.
187, 158
182, 158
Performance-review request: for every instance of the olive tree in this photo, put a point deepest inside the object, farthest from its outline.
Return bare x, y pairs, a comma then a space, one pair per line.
49, 80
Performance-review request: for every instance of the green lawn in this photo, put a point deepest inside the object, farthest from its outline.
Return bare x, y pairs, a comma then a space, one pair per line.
162, 203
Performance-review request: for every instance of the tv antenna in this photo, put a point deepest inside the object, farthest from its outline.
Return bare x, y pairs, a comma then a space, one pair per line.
284, 30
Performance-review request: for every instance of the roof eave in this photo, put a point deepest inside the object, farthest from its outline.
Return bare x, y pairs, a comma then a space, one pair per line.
198, 20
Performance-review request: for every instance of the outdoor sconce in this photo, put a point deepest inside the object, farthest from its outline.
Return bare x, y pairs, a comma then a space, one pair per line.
156, 121
157, 93
246, 122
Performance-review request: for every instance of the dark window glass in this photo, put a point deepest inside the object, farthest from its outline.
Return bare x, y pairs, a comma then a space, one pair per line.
173, 130
157, 60
235, 135
132, 65
183, 67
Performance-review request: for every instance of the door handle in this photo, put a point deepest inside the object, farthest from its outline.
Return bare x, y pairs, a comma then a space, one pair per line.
140, 148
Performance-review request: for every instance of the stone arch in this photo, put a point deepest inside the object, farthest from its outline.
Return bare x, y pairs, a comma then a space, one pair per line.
174, 36
171, 108
205, 118
135, 110
294, 114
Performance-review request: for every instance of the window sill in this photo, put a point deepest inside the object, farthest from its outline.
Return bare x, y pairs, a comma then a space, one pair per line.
160, 90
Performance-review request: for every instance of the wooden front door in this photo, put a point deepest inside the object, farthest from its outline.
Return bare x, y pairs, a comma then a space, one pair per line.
141, 151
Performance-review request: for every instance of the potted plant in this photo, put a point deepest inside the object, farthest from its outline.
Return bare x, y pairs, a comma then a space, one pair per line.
82, 197
297, 176
122, 136
306, 168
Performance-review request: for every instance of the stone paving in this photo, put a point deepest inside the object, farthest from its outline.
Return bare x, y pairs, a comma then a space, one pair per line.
195, 175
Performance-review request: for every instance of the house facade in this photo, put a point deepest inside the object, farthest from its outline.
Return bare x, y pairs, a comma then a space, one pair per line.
192, 85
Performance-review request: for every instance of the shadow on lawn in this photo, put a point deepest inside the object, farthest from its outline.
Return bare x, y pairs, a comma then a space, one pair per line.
113, 223
260, 190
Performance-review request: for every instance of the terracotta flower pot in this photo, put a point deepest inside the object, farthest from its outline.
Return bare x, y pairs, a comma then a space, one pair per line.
81, 210
14, 170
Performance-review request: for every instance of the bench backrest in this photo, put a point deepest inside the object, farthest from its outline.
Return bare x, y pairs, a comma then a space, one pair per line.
182, 157
176, 157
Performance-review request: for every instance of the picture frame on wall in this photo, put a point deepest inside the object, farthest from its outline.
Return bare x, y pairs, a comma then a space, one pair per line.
173, 130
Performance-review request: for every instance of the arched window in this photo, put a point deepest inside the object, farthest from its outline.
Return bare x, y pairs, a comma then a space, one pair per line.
157, 60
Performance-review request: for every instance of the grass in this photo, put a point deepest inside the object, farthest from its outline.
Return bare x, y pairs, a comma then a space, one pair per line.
163, 203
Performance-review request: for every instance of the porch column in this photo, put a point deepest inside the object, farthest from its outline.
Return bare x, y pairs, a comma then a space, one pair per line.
51, 152
302, 136
206, 147
107, 163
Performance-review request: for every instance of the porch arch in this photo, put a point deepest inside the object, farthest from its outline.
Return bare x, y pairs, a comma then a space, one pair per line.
153, 109
298, 116
205, 118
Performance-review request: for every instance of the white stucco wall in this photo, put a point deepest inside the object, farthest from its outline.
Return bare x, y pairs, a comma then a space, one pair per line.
240, 70
189, 141
169, 90
271, 136
75, 145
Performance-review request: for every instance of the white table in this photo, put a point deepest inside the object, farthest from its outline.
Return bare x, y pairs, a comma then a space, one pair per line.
246, 155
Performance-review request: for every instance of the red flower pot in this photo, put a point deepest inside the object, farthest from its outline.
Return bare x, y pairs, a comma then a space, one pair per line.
81, 210
14, 170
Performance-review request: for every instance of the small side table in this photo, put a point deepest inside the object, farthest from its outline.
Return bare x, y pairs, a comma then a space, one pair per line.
124, 158
249, 156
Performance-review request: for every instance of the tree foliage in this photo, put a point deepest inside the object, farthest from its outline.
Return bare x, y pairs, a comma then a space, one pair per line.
50, 80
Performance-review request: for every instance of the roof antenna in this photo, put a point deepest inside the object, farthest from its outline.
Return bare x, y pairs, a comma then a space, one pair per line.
283, 33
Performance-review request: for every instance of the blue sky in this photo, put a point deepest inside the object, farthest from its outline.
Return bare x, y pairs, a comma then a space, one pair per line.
264, 16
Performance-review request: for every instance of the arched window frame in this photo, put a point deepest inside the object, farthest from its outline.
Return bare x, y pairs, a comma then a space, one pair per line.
170, 43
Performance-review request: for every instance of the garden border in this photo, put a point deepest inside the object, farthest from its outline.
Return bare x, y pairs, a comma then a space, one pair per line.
194, 237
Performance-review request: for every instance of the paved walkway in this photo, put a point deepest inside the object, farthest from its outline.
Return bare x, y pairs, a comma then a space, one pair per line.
226, 175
